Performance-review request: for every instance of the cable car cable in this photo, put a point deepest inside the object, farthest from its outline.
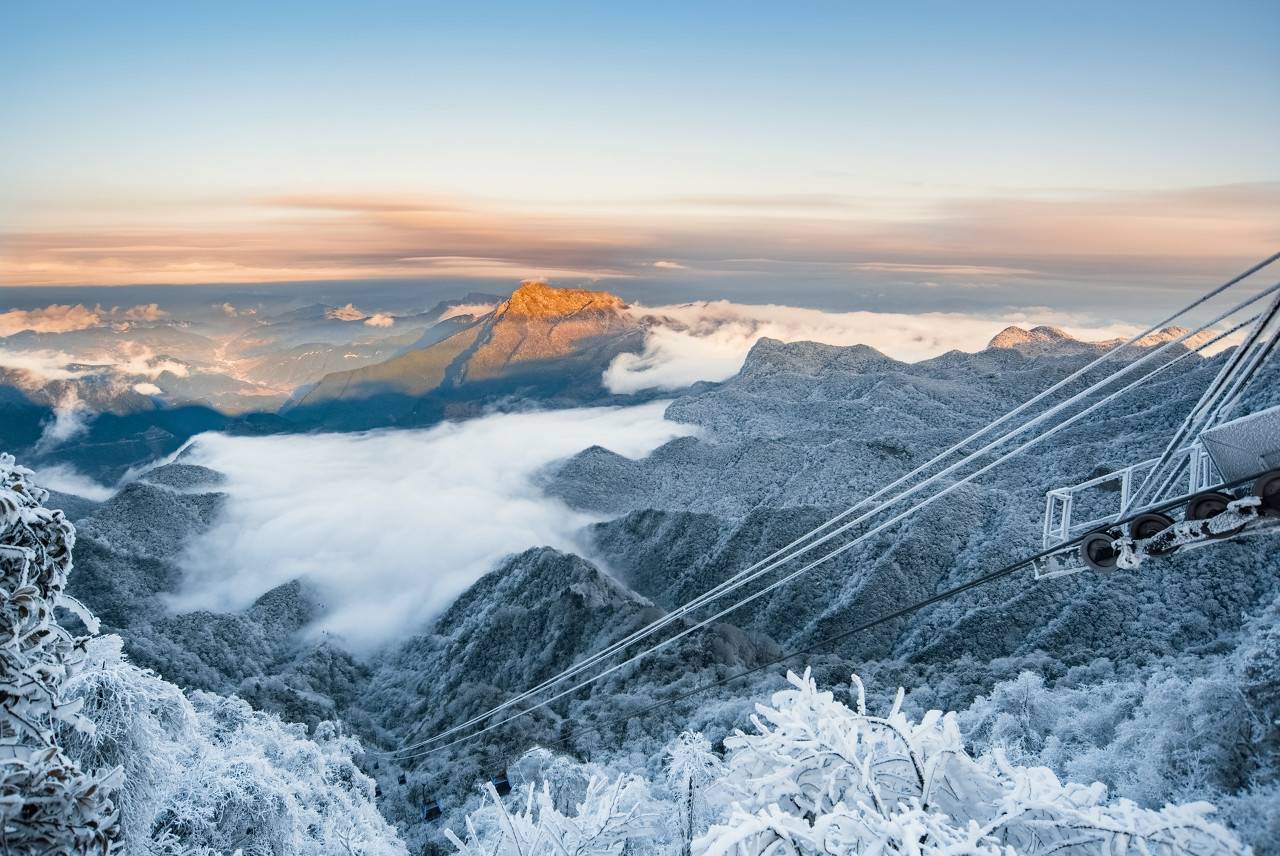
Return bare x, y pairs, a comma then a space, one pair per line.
1005, 571
722, 589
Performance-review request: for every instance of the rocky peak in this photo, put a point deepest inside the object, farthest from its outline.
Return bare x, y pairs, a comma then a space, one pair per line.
1018, 337
1168, 334
1044, 339
537, 299
539, 322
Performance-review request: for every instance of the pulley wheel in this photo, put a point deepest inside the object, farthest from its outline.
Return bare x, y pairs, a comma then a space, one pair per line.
1098, 551
1267, 487
1149, 525
1209, 504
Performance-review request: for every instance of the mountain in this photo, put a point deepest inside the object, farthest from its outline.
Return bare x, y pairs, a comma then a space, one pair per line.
1053, 340
801, 433
549, 344
1042, 339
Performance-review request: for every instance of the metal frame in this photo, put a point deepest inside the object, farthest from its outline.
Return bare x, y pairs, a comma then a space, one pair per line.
1060, 502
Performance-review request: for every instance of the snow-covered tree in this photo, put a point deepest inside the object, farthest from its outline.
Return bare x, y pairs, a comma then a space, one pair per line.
817, 777
48, 802
691, 768
615, 816
208, 774
99, 756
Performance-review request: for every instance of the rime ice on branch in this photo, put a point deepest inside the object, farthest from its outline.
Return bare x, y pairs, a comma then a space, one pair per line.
47, 803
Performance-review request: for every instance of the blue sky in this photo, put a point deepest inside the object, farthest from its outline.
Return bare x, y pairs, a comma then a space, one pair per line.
659, 129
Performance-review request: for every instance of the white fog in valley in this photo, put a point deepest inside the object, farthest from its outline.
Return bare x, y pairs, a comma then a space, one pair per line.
391, 526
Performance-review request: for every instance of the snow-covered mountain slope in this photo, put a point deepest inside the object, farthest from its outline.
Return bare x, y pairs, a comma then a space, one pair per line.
802, 432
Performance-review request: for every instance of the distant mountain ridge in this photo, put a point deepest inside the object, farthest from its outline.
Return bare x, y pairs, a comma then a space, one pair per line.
1046, 339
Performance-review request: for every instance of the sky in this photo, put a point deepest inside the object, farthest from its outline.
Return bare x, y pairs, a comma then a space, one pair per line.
1047, 153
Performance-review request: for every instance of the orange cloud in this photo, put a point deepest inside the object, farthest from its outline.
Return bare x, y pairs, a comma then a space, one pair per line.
327, 236
57, 318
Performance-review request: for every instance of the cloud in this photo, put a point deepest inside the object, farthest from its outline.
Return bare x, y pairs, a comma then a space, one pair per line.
946, 270
708, 341
140, 361
771, 201
41, 366
65, 479
392, 526
146, 388
55, 318
1057, 236
380, 319
371, 202
71, 417
664, 264
145, 312
128, 360
345, 313
472, 309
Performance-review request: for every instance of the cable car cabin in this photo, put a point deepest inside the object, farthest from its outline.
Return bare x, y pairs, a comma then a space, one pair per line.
1245, 447
431, 811
1244, 452
501, 784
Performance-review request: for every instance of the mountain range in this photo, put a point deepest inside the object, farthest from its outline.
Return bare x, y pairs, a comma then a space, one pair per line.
800, 433
140, 389
117, 394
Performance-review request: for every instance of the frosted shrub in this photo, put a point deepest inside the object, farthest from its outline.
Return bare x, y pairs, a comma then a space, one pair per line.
137, 717
48, 802
1202, 727
818, 777
209, 774
615, 816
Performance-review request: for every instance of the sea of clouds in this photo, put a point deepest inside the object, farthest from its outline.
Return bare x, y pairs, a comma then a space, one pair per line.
391, 526
708, 341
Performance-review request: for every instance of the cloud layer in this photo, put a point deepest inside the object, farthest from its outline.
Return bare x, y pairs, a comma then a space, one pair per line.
71, 417
709, 340
1046, 236
127, 359
392, 526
